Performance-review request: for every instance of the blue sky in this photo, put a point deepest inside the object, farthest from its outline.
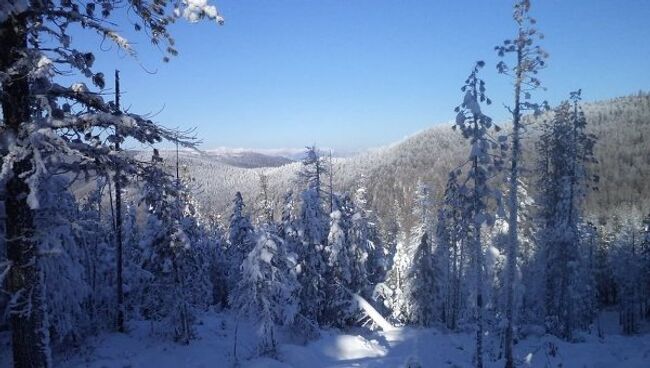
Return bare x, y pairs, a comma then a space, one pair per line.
363, 73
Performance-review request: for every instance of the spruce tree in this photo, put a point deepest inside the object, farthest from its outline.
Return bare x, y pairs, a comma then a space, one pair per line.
267, 290
422, 288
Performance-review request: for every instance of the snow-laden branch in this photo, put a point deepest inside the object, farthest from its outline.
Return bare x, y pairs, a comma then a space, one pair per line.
4, 272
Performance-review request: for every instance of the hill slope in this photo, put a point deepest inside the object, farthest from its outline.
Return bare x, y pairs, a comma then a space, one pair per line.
623, 152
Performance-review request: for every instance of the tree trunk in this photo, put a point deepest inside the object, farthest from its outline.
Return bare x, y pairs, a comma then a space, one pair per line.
28, 311
513, 203
478, 257
118, 219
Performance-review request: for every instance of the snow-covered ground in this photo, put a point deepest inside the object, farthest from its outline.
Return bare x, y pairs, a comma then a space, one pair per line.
214, 347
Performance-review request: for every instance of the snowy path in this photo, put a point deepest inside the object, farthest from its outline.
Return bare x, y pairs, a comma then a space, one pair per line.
385, 349
429, 348
353, 349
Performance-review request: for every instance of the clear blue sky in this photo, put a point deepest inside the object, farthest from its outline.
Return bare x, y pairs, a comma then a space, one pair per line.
363, 73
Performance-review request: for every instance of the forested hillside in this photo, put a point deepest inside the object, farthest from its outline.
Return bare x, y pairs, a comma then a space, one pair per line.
623, 154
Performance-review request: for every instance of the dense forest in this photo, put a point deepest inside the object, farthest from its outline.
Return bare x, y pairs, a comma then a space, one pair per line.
539, 226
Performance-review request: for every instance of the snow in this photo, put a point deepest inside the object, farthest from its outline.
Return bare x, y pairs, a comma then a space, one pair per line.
351, 348
469, 101
195, 10
376, 317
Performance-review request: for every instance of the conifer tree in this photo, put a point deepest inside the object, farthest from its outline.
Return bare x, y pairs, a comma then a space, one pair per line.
95, 239
394, 295
339, 271
529, 59
241, 239
267, 290
175, 254
565, 151
60, 239
449, 253
312, 233
287, 227
422, 287
264, 206
482, 164
367, 235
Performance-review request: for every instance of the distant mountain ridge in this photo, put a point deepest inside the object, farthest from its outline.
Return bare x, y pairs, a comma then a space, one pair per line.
248, 159
623, 151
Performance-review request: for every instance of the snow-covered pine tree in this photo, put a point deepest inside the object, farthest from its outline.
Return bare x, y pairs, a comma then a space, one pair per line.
420, 286
388, 228
241, 240
287, 227
312, 232
60, 239
48, 127
565, 151
422, 207
529, 59
267, 290
360, 249
136, 277
314, 171
366, 233
528, 289
175, 262
264, 207
218, 264
393, 292
449, 254
481, 165
198, 261
339, 272
96, 228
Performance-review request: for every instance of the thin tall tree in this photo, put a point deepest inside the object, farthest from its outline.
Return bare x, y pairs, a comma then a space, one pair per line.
529, 59
483, 164
118, 217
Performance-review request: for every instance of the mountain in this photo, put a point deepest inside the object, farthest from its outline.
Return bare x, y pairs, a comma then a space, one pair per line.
623, 153
246, 158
